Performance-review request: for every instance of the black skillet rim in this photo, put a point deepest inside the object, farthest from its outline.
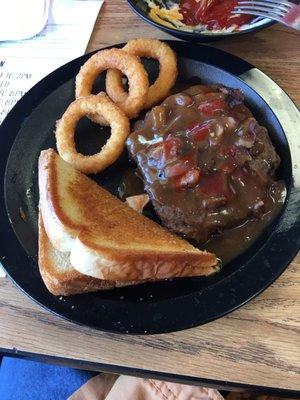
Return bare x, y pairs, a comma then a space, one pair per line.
253, 282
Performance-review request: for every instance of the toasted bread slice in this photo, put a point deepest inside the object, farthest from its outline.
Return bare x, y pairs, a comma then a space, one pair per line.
58, 274
107, 239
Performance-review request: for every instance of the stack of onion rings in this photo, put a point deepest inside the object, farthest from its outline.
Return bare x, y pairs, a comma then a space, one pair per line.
116, 110
96, 105
150, 48
129, 65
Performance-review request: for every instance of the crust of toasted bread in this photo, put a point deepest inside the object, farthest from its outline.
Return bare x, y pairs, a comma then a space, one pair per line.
59, 276
107, 239
96, 258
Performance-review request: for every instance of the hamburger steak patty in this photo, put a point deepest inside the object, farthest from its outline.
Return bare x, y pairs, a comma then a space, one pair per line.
206, 163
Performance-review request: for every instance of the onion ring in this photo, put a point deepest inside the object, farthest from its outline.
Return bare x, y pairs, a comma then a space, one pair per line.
97, 105
129, 65
168, 72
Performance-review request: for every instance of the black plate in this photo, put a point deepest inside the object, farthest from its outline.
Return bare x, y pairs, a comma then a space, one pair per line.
140, 8
157, 307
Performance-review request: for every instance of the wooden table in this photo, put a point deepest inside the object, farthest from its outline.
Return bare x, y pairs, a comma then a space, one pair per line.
255, 347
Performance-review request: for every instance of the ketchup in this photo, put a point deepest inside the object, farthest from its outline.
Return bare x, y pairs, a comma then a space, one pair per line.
215, 14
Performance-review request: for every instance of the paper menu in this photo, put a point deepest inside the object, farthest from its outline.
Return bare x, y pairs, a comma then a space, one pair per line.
65, 37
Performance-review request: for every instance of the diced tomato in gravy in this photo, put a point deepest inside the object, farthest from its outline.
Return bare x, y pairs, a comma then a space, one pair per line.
215, 184
213, 107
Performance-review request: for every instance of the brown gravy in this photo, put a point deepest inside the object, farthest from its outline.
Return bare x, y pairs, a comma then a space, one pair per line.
233, 242
131, 184
208, 167
227, 245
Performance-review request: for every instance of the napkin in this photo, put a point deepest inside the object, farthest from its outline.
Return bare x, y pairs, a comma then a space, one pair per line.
113, 387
